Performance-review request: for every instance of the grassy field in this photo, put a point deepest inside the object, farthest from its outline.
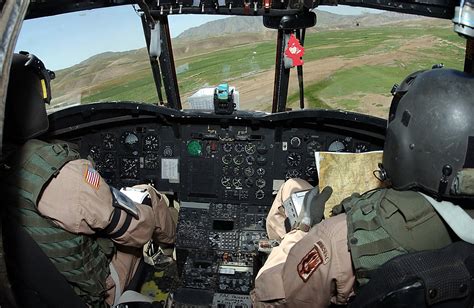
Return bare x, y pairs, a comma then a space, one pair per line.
397, 50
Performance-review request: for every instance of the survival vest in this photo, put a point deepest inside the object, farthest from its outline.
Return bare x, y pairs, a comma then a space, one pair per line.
385, 223
82, 260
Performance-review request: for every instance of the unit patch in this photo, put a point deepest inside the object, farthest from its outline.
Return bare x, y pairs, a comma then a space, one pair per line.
323, 251
310, 262
91, 177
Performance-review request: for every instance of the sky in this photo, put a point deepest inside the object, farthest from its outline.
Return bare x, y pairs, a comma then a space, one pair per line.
64, 40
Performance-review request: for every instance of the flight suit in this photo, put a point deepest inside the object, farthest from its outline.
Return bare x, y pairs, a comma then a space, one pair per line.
81, 204
307, 269
317, 268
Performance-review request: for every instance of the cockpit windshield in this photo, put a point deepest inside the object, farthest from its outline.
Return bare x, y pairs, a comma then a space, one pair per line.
352, 57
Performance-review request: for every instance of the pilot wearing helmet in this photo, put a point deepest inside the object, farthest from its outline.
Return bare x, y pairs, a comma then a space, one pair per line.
92, 233
428, 165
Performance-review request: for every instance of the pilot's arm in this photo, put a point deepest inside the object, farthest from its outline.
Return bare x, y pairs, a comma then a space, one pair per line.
80, 201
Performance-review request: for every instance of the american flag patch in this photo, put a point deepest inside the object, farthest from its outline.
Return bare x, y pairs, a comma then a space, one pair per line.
92, 177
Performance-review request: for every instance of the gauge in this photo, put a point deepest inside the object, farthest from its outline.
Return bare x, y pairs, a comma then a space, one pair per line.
311, 170
292, 173
151, 143
151, 161
250, 148
260, 183
109, 161
250, 160
261, 160
295, 142
237, 182
239, 159
259, 194
226, 170
94, 152
227, 159
130, 140
237, 170
168, 151
361, 147
129, 168
249, 171
239, 147
227, 147
313, 146
194, 148
293, 159
249, 182
108, 140
262, 148
260, 171
225, 181
337, 146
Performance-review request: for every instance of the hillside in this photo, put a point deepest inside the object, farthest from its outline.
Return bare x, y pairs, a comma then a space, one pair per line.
325, 20
381, 47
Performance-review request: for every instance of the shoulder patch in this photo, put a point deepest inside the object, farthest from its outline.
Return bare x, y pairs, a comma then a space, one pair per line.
91, 177
323, 251
310, 262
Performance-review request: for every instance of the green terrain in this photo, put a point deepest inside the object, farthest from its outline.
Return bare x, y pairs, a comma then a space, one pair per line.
398, 49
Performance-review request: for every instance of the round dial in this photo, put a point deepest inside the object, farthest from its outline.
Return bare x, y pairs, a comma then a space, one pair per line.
94, 152
108, 140
292, 173
249, 182
227, 159
194, 148
261, 160
239, 159
129, 168
152, 161
313, 146
168, 151
151, 143
227, 147
260, 171
337, 146
226, 170
226, 181
249, 171
311, 170
250, 160
293, 159
262, 148
237, 182
259, 194
260, 183
250, 148
239, 147
295, 142
237, 170
130, 140
109, 161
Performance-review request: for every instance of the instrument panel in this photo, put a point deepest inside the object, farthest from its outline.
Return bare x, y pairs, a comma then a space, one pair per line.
211, 163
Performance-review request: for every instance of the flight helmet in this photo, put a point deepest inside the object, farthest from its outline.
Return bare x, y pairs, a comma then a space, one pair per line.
429, 144
28, 92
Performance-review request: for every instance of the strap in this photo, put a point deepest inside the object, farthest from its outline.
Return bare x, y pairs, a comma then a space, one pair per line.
114, 222
122, 229
374, 248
